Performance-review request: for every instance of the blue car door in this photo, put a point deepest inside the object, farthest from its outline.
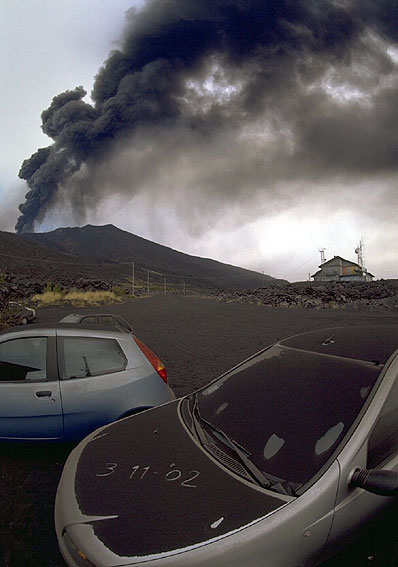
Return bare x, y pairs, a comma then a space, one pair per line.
30, 400
94, 382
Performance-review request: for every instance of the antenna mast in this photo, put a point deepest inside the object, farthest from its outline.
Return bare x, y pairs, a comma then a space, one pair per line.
360, 252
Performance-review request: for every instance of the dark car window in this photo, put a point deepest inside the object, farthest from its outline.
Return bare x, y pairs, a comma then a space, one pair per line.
89, 320
289, 408
115, 321
23, 359
383, 442
86, 356
106, 320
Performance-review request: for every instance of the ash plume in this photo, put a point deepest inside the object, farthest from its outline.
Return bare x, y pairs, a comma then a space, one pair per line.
244, 95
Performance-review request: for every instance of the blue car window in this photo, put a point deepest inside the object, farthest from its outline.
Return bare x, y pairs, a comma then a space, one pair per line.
24, 359
85, 356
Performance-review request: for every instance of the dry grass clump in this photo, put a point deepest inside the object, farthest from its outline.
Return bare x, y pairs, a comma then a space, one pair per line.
48, 297
77, 298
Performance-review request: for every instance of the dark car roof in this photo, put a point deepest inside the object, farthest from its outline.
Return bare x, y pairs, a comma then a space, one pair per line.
56, 326
372, 343
80, 318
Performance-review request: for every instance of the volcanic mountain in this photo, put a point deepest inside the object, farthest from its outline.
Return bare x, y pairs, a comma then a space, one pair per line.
110, 254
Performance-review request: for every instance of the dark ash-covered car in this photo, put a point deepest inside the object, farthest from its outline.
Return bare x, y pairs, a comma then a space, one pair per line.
277, 463
20, 313
98, 319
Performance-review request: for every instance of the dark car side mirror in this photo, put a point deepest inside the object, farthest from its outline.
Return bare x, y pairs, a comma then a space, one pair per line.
377, 481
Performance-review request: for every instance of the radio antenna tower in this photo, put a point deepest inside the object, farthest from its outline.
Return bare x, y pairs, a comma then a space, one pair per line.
360, 252
322, 251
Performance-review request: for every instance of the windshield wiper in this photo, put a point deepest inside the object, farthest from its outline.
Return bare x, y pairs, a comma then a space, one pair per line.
242, 453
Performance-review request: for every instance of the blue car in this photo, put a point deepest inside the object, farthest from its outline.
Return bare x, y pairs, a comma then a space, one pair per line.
60, 382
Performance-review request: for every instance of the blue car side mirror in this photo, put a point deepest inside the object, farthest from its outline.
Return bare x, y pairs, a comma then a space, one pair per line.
377, 481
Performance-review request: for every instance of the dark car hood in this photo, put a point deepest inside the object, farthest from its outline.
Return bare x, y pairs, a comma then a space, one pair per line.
164, 490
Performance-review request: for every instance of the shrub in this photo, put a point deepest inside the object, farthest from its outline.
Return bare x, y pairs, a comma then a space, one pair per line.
119, 291
4, 319
55, 287
48, 297
7, 318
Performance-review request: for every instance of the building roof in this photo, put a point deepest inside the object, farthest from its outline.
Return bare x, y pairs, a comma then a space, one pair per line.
347, 262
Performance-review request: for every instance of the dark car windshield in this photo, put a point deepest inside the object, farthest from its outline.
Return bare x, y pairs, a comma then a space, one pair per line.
289, 408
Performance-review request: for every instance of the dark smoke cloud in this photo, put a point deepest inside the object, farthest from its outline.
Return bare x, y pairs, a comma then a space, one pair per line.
250, 93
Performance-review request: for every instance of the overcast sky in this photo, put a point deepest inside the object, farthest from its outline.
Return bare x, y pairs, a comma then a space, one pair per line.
254, 132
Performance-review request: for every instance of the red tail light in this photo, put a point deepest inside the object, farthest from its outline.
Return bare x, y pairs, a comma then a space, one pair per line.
153, 359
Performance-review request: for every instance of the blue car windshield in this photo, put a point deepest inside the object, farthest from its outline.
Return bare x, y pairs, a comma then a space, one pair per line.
289, 408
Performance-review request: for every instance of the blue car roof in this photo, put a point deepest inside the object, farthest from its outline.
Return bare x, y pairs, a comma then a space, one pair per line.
59, 326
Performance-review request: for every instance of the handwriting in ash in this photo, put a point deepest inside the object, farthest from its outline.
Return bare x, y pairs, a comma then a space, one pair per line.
139, 472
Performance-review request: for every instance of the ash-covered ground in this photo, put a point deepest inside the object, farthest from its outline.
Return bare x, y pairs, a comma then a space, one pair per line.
198, 338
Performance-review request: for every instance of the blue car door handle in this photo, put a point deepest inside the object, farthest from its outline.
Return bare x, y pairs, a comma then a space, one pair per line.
43, 394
